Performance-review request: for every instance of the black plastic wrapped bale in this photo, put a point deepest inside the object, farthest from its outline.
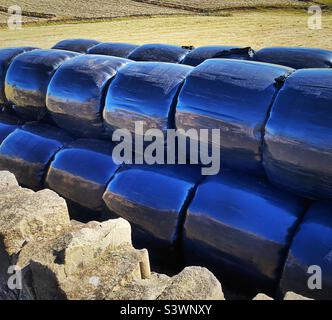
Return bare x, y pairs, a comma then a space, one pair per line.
159, 52
27, 80
80, 173
308, 269
146, 92
8, 124
298, 135
6, 57
28, 151
76, 93
240, 228
200, 54
295, 57
154, 199
116, 49
233, 96
76, 45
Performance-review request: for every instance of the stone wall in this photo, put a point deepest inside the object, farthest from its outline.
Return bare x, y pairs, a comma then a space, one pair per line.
55, 258
63, 259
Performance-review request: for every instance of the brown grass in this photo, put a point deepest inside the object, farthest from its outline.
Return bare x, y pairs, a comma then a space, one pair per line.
65, 9
215, 5
256, 28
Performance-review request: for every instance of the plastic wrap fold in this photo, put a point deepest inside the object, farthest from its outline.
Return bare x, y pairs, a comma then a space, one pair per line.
76, 93
27, 80
298, 135
240, 228
28, 151
235, 97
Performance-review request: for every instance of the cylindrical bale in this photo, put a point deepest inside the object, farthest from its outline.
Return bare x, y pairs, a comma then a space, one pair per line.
298, 135
295, 57
240, 228
116, 49
153, 199
27, 152
27, 80
159, 52
235, 97
308, 269
81, 171
8, 124
200, 54
76, 45
76, 94
6, 57
146, 92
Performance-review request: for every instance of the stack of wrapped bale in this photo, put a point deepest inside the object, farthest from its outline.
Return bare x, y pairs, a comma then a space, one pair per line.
250, 223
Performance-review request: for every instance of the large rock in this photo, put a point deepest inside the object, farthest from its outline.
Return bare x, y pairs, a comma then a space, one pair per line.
62, 267
142, 289
7, 182
26, 216
294, 296
193, 283
262, 296
95, 280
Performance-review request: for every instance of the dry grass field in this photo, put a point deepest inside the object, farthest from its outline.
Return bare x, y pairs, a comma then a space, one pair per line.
256, 28
214, 5
65, 10
81, 9
227, 22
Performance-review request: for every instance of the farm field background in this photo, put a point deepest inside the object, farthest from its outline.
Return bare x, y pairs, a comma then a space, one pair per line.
255, 23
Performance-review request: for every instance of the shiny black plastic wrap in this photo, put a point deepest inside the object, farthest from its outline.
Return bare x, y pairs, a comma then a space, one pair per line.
234, 96
81, 171
28, 151
295, 57
116, 49
76, 45
200, 54
6, 57
298, 135
153, 199
27, 80
240, 228
159, 52
76, 94
144, 91
8, 124
308, 269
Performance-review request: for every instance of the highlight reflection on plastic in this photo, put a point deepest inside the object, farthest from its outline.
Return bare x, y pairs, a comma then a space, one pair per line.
159, 52
233, 96
27, 152
240, 228
153, 198
76, 93
115, 49
6, 57
27, 80
200, 54
144, 91
76, 45
298, 135
311, 249
295, 57
80, 172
